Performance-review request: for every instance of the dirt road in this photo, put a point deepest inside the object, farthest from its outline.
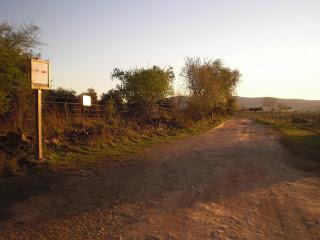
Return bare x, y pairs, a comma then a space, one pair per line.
232, 182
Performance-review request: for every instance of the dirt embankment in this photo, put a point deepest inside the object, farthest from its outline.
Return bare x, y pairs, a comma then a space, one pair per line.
232, 182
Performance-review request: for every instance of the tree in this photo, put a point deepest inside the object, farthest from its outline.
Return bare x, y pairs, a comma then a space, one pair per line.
143, 88
111, 101
61, 95
233, 105
283, 108
61, 100
17, 46
112, 94
270, 103
212, 82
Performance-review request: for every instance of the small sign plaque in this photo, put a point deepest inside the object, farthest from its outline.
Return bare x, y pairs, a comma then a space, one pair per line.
86, 100
40, 74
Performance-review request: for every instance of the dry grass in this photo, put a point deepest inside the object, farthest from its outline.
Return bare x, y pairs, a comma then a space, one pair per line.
70, 143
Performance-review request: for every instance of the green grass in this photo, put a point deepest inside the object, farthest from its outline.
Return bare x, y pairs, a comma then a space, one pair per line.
73, 156
301, 142
115, 143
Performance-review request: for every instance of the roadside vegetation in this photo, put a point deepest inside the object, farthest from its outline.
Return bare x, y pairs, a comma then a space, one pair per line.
302, 142
300, 131
141, 110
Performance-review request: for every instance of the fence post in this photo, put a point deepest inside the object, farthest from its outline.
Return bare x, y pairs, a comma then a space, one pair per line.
65, 109
313, 123
82, 116
292, 119
280, 117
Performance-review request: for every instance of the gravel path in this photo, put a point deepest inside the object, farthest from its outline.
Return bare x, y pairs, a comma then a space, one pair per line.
232, 182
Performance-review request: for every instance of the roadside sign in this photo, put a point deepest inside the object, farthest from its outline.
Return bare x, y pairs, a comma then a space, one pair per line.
39, 81
40, 74
86, 100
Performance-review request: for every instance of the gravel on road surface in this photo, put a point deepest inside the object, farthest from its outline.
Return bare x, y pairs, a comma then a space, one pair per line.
232, 182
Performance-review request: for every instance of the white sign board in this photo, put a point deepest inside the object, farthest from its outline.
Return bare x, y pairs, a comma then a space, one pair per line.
40, 74
86, 100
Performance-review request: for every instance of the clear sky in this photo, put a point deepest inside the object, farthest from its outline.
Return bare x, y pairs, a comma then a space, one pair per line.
275, 44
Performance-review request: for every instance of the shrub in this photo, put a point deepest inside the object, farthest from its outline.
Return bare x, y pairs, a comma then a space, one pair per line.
210, 82
144, 88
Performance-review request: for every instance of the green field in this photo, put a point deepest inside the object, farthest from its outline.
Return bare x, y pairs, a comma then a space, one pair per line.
301, 142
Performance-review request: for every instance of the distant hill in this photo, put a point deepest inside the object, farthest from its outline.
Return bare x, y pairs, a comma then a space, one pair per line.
300, 105
295, 104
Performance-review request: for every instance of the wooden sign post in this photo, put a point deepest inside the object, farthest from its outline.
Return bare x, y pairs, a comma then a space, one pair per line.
39, 81
38, 123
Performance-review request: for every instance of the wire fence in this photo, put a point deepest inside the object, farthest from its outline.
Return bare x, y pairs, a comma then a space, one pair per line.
308, 120
60, 110
76, 109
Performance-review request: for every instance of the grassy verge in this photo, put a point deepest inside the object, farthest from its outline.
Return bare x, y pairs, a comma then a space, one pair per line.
301, 142
72, 147
81, 156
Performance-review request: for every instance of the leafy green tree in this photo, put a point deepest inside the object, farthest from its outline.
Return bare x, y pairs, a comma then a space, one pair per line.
61, 100
61, 95
144, 88
212, 82
112, 95
233, 105
17, 46
112, 102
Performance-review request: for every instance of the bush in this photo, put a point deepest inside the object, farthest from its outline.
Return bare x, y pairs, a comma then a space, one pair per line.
144, 88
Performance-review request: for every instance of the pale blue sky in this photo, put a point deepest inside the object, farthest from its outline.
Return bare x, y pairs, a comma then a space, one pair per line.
275, 44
